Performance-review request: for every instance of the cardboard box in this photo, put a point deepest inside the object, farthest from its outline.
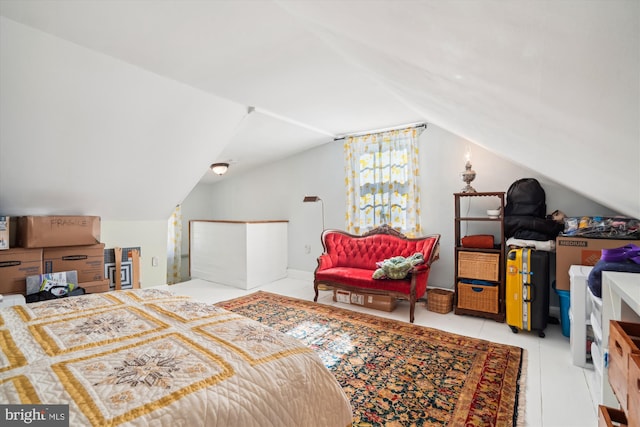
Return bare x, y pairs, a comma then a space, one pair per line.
5, 223
95, 287
580, 251
87, 260
53, 231
378, 302
15, 265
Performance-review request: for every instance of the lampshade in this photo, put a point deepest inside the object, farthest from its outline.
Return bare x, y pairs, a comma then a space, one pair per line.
219, 168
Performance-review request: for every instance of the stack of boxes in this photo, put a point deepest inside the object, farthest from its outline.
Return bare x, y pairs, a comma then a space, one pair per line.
50, 244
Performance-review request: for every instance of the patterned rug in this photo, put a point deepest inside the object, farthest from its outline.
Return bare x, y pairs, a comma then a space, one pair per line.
398, 374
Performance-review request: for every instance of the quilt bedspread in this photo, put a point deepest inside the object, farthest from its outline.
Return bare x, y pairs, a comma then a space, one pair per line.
147, 357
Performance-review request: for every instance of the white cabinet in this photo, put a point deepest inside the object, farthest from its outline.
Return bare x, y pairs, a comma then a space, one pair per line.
620, 301
580, 313
241, 254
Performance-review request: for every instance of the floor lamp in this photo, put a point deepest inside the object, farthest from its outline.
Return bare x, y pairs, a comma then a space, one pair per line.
312, 199
315, 199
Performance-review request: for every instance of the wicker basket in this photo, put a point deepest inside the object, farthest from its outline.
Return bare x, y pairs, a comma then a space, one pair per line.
439, 300
479, 265
478, 298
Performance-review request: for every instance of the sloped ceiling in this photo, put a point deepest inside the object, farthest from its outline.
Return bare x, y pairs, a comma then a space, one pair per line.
553, 86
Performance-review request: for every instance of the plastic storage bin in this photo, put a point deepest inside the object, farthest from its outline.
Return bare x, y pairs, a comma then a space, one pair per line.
565, 304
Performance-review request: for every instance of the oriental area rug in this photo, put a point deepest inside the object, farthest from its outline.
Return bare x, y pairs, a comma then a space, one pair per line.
399, 374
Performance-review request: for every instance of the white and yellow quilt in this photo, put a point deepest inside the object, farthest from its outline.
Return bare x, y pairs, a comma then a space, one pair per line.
147, 357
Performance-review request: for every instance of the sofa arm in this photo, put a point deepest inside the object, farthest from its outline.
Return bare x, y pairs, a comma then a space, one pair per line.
435, 254
324, 262
420, 268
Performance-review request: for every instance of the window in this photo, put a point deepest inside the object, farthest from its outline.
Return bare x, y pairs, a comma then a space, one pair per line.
382, 181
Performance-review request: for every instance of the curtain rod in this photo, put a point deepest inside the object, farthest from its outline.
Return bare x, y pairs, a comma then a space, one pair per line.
368, 132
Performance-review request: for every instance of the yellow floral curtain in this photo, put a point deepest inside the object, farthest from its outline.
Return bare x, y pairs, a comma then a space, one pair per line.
174, 247
382, 181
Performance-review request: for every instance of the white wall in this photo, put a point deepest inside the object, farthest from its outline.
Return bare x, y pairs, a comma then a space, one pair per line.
84, 133
150, 236
442, 160
276, 192
198, 206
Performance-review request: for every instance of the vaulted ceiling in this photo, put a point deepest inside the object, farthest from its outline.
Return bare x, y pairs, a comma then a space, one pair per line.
553, 85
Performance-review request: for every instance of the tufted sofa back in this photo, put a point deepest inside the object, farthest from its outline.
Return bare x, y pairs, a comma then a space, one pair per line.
346, 250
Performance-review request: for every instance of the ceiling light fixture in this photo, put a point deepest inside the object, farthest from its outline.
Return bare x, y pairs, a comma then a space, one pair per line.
219, 168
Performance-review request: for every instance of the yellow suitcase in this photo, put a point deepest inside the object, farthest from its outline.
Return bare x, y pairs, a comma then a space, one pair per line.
527, 290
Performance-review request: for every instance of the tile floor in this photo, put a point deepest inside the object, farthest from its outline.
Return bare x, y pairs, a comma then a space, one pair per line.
557, 392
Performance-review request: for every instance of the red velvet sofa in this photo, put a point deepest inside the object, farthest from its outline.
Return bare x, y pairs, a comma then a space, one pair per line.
349, 261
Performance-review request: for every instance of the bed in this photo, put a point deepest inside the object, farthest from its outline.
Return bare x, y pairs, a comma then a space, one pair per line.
148, 357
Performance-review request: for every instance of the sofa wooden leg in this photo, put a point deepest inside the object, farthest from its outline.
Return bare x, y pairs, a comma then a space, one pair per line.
412, 307
315, 288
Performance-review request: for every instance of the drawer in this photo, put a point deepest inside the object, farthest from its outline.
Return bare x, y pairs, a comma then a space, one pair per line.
479, 265
624, 339
609, 417
478, 298
633, 391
